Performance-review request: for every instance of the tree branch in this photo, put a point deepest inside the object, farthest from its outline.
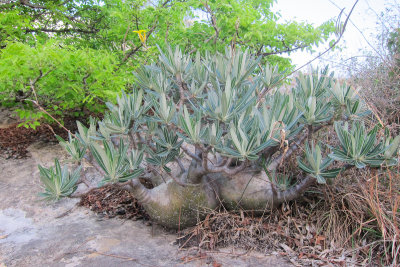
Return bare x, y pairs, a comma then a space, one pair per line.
123, 45
340, 34
36, 101
296, 190
29, 4
213, 20
224, 168
205, 42
292, 148
281, 51
190, 154
133, 51
69, 30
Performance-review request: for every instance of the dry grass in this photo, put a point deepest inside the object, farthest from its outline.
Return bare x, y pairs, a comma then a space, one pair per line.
352, 222
362, 211
374, 200
294, 236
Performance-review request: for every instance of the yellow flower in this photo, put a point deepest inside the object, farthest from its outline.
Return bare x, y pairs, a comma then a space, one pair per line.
142, 36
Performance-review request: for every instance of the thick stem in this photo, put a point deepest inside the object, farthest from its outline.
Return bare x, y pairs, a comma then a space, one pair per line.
226, 169
173, 205
190, 154
182, 88
295, 191
132, 140
140, 192
310, 133
278, 160
89, 157
180, 164
195, 173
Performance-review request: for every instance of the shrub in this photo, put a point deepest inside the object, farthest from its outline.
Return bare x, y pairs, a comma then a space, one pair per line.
60, 80
214, 130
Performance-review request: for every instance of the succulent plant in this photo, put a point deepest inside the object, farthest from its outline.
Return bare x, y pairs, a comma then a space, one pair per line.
58, 182
217, 128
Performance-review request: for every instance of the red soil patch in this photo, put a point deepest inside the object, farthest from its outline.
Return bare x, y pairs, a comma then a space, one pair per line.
112, 201
15, 140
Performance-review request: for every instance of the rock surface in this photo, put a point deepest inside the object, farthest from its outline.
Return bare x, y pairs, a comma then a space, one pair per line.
35, 233
7, 118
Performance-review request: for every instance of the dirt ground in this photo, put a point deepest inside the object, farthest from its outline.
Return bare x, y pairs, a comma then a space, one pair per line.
36, 233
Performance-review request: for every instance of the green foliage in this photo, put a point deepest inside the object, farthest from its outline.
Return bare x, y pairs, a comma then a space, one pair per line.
238, 117
30, 119
311, 94
115, 163
81, 53
393, 41
359, 147
63, 79
73, 147
85, 135
58, 182
392, 145
315, 165
167, 148
280, 180
346, 96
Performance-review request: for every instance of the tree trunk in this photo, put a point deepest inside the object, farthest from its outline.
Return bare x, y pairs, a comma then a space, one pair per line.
176, 206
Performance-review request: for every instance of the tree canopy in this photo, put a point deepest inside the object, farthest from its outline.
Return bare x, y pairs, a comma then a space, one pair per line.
73, 54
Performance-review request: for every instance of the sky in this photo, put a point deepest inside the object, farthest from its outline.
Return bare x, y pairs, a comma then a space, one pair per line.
365, 17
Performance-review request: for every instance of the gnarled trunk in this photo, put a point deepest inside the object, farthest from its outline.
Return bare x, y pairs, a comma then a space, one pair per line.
174, 206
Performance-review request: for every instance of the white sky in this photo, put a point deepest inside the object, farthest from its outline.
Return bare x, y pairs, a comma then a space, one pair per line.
364, 16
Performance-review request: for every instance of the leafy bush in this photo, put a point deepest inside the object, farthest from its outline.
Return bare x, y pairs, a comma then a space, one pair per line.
59, 79
81, 53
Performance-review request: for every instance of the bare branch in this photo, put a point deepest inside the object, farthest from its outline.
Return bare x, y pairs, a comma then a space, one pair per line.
296, 190
265, 90
281, 51
123, 45
224, 168
84, 80
293, 147
190, 154
67, 30
213, 20
29, 4
36, 101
